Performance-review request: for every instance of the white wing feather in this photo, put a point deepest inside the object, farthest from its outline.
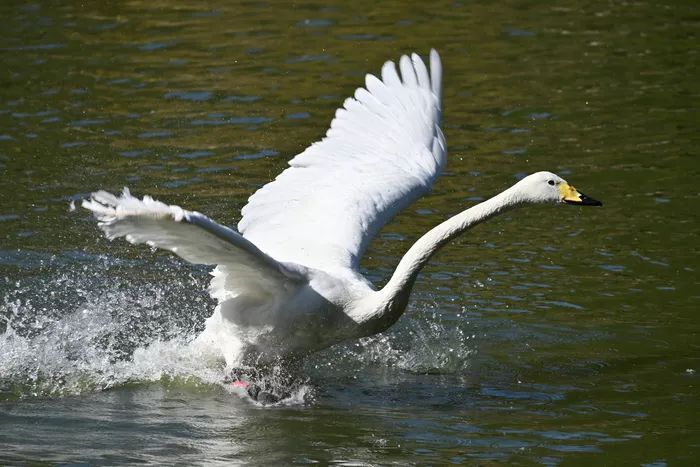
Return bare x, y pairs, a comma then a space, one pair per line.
384, 149
189, 234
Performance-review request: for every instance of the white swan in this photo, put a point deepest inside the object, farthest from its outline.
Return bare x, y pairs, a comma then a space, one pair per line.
288, 282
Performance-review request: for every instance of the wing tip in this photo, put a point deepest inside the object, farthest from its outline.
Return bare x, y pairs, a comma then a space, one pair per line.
436, 74
103, 206
109, 208
389, 74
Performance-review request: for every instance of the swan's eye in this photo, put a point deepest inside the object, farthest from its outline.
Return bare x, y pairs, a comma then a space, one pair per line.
551, 182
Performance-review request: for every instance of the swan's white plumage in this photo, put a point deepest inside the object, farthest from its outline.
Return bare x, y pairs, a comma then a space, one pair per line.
383, 150
189, 234
289, 284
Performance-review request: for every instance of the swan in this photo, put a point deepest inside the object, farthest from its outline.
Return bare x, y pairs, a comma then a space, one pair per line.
287, 282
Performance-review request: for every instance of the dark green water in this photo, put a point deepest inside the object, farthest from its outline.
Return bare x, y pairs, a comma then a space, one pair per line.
547, 336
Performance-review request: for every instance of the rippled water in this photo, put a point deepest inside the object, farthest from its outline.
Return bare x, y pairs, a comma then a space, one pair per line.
545, 336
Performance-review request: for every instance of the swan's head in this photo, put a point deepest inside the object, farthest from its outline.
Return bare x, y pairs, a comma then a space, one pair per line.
546, 187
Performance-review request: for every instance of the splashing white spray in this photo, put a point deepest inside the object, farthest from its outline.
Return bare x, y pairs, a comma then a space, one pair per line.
67, 328
76, 328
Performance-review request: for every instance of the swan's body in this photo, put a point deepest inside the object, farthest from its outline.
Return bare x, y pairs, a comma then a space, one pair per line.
288, 282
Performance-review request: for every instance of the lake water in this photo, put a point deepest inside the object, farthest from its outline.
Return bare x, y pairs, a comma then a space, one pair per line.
546, 336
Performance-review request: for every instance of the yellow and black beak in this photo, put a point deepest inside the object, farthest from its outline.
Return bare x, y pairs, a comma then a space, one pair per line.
570, 195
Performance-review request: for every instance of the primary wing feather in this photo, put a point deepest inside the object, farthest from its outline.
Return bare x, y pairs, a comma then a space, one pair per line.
190, 235
383, 150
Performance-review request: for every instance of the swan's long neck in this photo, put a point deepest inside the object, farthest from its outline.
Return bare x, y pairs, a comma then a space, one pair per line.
394, 295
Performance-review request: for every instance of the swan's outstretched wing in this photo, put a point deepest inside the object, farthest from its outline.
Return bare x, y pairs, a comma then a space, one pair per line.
383, 150
188, 234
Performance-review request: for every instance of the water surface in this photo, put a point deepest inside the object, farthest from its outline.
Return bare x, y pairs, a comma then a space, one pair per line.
547, 336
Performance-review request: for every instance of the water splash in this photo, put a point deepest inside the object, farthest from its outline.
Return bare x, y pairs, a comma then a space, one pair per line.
79, 323
428, 339
72, 328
